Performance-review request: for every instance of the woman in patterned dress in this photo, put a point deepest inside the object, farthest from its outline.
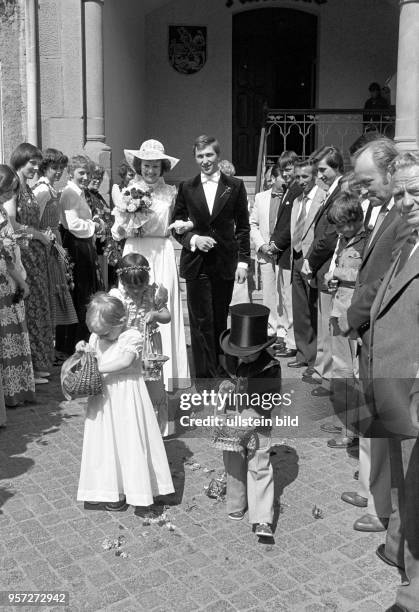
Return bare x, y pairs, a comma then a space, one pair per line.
64, 313
79, 232
24, 216
17, 376
100, 208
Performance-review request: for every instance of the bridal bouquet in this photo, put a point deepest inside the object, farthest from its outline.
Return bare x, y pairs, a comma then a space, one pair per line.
133, 208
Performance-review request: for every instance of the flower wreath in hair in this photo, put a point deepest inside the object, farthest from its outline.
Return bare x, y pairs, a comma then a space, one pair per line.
133, 268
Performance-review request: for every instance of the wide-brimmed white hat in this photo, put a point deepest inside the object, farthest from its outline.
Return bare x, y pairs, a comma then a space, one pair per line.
149, 150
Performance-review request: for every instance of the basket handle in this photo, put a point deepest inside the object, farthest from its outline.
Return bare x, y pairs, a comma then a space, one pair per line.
230, 386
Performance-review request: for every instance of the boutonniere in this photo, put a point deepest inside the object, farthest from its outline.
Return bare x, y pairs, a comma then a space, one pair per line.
287, 203
226, 191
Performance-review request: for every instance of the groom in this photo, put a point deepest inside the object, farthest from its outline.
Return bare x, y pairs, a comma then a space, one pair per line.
215, 253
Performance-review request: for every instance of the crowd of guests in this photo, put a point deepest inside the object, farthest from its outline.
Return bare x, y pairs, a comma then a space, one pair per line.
339, 266
58, 249
350, 244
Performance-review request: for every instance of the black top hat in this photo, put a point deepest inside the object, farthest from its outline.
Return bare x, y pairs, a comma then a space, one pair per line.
249, 330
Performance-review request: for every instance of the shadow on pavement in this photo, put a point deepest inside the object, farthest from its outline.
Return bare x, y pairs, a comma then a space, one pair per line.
29, 424
284, 461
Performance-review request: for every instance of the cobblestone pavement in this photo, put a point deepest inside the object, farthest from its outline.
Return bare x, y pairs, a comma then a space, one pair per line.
50, 541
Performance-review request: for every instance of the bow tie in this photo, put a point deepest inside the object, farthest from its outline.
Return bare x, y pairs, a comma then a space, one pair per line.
210, 179
276, 194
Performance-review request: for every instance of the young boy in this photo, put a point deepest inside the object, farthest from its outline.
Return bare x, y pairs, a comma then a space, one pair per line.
249, 472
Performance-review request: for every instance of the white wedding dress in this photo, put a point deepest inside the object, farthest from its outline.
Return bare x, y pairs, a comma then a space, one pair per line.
156, 246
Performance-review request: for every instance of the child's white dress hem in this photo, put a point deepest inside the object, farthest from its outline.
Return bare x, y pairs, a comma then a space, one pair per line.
123, 451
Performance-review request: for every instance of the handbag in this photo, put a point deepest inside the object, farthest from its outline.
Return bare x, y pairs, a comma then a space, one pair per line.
153, 358
80, 375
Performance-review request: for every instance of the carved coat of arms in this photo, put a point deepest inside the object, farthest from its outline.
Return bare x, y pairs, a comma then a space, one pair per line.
187, 48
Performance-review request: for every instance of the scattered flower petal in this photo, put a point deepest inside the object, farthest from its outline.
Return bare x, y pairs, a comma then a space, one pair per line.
106, 544
317, 512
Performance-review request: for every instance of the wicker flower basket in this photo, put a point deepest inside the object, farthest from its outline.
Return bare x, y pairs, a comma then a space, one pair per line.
80, 376
229, 434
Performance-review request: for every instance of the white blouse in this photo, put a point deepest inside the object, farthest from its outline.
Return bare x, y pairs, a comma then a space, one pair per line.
75, 214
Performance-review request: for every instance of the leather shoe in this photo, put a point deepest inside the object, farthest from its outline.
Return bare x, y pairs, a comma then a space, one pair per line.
311, 381
329, 427
296, 364
351, 497
397, 608
321, 392
279, 345
236, 516
368, 522
343, 442
286, 352
381, 554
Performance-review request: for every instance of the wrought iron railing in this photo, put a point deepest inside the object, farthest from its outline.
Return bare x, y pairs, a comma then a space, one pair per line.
304, 130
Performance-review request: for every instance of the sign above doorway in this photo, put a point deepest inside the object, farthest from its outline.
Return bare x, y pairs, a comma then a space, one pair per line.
187, 48
230, 3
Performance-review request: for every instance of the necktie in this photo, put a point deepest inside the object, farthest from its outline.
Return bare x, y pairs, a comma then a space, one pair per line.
299, 227
406, 250
273, 211
368, 218
380, 219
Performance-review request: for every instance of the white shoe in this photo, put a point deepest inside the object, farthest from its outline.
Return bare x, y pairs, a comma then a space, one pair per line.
42, 374
41, 381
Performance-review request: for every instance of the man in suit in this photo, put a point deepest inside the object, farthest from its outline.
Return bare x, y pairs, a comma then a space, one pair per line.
215, 253
281, 233
371, 172
262, 223
317, 262
393, 368
299, 239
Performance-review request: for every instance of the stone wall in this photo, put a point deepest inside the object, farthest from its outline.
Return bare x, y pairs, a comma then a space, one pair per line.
124, 65
357, 44
61, 75
12, 77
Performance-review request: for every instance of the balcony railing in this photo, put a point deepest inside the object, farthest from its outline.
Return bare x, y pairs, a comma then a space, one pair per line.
305, 130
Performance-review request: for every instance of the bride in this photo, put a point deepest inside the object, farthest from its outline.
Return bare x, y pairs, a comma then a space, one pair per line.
146, 232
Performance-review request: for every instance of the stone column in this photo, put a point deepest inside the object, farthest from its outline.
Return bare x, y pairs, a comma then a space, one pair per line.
31, 72
95, 146
407, 99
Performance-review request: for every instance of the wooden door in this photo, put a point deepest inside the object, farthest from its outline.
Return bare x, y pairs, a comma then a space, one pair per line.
274, 54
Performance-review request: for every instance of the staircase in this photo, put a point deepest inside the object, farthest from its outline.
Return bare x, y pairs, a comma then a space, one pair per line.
249, 183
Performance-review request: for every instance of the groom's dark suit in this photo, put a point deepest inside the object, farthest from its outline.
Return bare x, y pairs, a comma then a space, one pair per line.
210, 276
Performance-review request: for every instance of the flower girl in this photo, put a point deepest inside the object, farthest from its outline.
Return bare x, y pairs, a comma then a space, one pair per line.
124, 460
146, 305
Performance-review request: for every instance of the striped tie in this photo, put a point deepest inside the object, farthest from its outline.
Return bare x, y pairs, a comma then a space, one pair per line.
299, 227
